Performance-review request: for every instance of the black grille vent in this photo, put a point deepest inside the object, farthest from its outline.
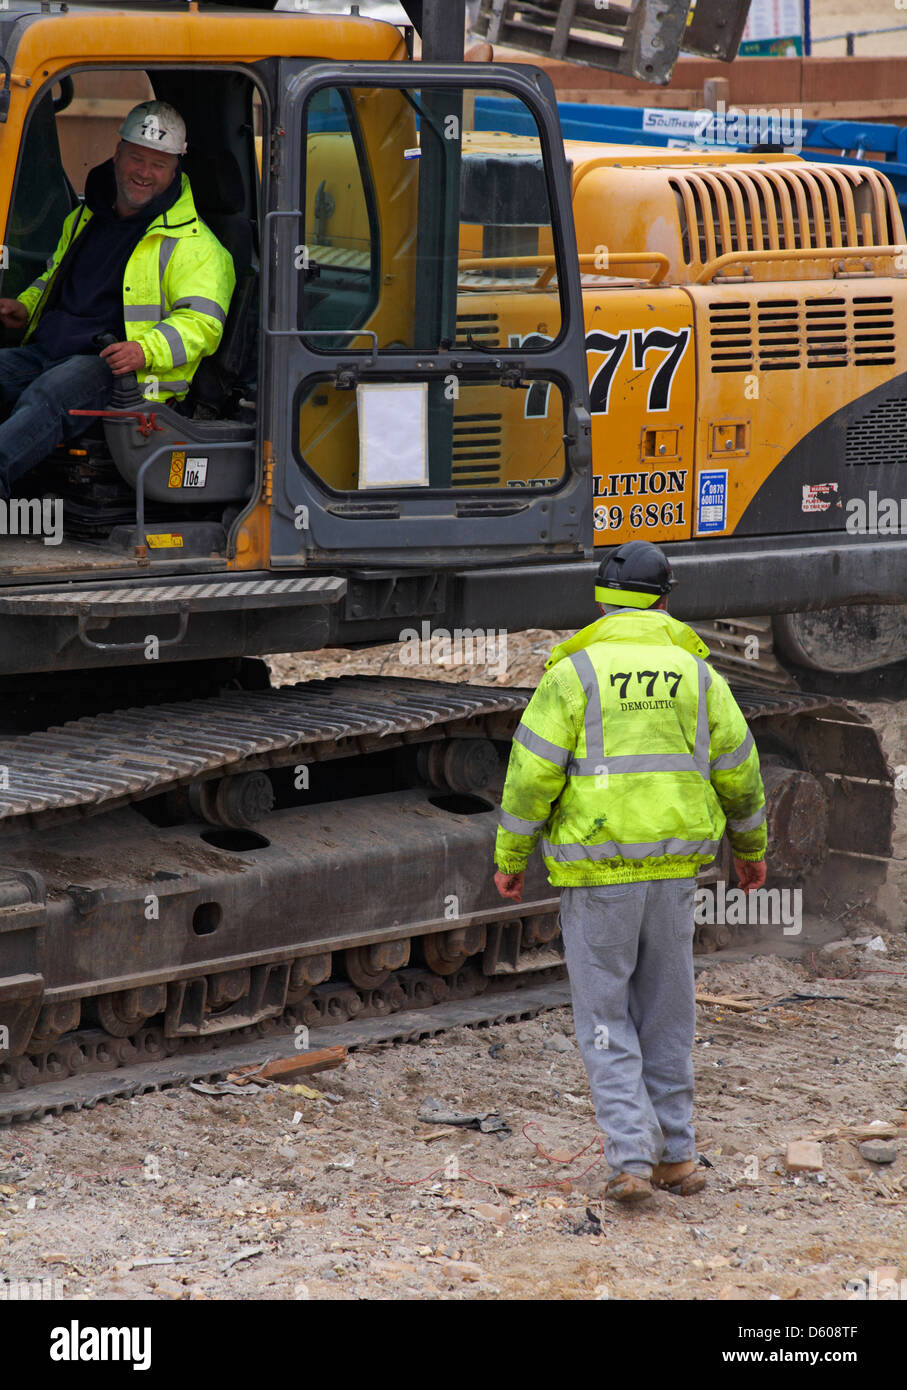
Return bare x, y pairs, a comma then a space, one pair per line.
483, 328
476, 450
879, 436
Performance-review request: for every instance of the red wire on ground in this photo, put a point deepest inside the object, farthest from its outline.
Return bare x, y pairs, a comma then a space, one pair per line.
487, 1182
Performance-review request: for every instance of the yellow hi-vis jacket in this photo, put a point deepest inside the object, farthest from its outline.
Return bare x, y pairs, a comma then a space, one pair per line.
177, 288
631, 757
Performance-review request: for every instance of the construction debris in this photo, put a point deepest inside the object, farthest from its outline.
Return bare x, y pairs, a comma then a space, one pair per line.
803, 1156
879, 1150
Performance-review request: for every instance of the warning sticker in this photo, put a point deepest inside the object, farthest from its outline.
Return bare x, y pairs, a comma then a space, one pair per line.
164, 540
177, 468
712, 509
818, 497
196, 472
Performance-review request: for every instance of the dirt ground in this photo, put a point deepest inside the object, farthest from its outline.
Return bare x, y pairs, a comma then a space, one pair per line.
343, 1191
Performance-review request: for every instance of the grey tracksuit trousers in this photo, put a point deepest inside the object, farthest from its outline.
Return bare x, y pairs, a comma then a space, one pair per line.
629, 949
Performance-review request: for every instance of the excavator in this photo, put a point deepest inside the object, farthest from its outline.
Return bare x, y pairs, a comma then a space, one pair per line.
455, 360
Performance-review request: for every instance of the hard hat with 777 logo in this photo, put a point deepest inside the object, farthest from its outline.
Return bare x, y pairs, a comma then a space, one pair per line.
157, 126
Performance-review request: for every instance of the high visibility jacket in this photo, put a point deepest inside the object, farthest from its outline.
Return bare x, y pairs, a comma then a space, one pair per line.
177, 288
631, 757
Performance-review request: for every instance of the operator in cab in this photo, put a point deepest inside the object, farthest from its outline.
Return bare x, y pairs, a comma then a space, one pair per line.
631, 759
135, 262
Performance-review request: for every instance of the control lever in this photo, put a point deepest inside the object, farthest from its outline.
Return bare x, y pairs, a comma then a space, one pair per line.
126, 391
126, 401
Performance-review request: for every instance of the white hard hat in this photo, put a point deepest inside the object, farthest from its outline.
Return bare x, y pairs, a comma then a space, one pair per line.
156, 125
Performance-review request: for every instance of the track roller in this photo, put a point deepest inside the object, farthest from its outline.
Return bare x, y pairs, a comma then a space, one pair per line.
368, 967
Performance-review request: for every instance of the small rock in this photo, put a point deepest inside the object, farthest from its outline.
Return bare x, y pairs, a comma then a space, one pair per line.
879, 1150
168, 1288
394, 1268
803, 1156
489, 1212
464, 1269
558, 1043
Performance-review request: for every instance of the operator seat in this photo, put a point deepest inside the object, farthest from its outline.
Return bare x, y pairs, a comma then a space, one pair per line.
187, 473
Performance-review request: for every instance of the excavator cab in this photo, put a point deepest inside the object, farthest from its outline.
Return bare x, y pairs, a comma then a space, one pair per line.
97, 476
362, 391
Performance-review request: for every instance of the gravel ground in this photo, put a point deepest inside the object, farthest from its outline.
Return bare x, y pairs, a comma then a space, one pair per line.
343, 1191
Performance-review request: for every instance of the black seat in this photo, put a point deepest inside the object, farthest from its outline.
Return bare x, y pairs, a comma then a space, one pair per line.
218, 193
217, 190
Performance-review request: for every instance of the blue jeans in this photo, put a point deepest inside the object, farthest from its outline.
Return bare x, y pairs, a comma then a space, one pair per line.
41, 391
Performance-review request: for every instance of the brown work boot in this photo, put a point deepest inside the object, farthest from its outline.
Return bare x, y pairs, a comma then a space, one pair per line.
629, 1188
683, 1179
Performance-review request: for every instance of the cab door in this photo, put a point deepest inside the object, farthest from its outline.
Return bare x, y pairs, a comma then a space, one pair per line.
426, 393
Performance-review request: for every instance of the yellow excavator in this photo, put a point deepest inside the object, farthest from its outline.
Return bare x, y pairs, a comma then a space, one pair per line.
454, 362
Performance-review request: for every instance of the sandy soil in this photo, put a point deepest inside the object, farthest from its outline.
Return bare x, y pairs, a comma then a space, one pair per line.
345, 1192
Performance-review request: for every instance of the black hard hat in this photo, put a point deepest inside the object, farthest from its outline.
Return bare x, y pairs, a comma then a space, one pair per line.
635, 575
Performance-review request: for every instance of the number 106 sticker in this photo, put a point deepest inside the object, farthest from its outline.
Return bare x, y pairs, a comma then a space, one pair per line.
196, 472
187, 472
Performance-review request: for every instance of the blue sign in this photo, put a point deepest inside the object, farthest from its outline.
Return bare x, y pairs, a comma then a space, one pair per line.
712, 509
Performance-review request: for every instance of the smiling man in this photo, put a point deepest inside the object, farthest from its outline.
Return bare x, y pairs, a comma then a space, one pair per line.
134, 261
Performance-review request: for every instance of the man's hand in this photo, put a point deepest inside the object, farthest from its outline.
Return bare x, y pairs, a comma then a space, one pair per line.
124, 357
510, 885
13, 314
750, 875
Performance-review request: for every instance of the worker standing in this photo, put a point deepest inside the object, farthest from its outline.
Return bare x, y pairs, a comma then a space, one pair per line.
631, 758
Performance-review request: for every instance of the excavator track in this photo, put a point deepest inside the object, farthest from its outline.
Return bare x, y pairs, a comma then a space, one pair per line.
106, 761
373, 903
90, 1065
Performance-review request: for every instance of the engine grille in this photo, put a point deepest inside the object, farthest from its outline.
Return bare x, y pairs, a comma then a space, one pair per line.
771, 335
879, 436
783, 208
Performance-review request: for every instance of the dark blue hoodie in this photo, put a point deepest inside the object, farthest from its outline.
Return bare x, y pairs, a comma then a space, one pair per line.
87, 295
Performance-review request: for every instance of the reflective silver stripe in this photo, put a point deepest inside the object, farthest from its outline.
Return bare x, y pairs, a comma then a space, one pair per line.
174, 342
751, 822
203, 306
701, 746
540, 746
632, 762
176, 388
518, 826
141, 313
571, 854
595, 739
739, 755
39, 284
168, 246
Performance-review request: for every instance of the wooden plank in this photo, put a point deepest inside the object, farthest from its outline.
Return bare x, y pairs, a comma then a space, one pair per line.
725, 1001
819, 83
300, 1064
885, 109
683, 99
